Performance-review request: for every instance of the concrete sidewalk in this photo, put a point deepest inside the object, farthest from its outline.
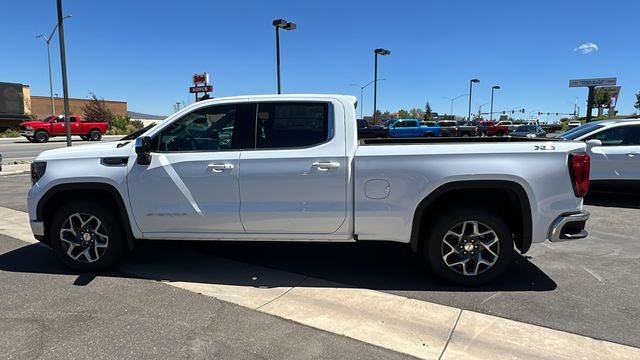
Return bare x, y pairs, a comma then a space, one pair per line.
418, 328
15, 169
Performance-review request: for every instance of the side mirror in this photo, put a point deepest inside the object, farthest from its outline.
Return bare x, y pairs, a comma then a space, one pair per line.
593, 143
143, 150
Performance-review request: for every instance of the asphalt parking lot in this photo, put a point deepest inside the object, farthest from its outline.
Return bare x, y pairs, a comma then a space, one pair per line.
588, 287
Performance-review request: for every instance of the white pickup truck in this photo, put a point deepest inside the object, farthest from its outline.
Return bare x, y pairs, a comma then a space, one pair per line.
291, 168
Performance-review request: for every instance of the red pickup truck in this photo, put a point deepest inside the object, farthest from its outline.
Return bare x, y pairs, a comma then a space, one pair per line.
54, 125
491, 128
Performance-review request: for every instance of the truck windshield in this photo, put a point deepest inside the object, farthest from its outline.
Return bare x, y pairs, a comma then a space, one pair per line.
49, 118
389, 122
579, 131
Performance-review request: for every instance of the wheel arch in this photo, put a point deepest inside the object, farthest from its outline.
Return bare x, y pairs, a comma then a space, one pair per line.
63, 193
512, 203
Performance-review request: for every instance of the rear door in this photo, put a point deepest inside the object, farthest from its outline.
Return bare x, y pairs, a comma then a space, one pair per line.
295, 180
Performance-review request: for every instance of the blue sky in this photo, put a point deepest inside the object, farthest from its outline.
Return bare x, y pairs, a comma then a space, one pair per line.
144, 52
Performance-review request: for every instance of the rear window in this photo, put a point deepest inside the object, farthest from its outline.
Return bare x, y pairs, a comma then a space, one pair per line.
580, 131
290, 125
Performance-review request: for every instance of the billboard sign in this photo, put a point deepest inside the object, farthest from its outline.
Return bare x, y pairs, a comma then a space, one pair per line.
592, 82
11, 99
200, 78
200, 89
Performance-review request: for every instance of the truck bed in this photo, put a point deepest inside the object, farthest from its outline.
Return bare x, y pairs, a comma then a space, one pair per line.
448, 140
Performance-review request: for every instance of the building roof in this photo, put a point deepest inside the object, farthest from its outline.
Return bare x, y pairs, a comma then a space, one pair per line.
137, 115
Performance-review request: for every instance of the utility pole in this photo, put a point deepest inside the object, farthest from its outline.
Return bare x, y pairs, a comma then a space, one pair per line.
63, 61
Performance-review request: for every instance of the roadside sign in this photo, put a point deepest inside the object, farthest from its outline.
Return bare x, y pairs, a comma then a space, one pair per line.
201, 78
199, 89
592, 82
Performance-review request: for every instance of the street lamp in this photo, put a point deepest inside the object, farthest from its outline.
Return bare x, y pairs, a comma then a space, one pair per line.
493, 88
470, 92
286, 25
454, 99
48, 41
383, 52
362, 93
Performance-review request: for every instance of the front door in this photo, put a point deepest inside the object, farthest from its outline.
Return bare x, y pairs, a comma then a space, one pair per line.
191, 185
619, 156
295, 181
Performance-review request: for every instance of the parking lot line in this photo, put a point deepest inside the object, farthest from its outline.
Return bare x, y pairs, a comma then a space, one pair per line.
418, 328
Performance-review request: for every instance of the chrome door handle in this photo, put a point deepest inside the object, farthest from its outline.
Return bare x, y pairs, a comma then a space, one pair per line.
219, 167
326, 165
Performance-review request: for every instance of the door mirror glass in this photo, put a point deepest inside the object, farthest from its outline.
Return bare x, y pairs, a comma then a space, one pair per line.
143, 150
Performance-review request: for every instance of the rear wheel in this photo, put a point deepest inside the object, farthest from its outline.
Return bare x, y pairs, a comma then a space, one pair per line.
41, 136
87, 237
428, 134
469, 246
95, 135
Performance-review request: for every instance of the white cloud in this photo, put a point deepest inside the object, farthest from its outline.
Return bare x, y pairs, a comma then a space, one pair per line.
586, 48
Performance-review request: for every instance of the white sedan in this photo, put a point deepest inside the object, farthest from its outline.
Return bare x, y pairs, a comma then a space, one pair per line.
614, 147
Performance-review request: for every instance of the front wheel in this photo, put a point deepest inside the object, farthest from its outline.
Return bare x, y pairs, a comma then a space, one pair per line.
41, 136
95, 135
469, 246
31, 139
86, 236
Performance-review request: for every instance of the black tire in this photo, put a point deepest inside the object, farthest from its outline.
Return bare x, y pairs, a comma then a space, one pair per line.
444, 134
434, 246
428, 134
41, 136
483, 133
500, 133
95, 135
105, 257
31, 139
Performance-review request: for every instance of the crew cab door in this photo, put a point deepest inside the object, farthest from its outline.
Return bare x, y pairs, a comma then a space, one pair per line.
619, 156
191, 185
58, 126
295, 180
76, 129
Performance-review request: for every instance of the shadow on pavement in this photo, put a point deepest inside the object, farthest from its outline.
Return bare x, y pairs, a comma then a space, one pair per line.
377, 266
610, 198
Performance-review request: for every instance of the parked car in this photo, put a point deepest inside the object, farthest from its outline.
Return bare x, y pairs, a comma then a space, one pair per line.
448, 128
574, 124
490, 128
305, 176
528, 131
410, 128
54, 125
366, 131
467, 128
0, 162
614, 147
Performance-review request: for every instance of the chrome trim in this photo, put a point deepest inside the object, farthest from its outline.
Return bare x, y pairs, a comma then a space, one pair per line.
37, 227
561, 221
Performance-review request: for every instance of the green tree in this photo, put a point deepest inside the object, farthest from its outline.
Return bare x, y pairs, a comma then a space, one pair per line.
403, 114
637, 104
416, 113
602, 98
427, 111
96, 110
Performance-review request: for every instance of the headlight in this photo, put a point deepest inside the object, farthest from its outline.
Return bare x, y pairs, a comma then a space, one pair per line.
28, 127
38, 169
531, 135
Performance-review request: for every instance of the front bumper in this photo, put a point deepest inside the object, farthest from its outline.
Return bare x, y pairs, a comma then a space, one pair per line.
569, 227
37, 227
27, 133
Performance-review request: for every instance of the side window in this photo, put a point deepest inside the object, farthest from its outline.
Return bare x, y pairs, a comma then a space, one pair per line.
214, 128
400, 124
290, 125
411, 123
619, 136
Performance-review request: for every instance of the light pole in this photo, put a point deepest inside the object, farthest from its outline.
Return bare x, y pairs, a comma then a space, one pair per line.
48, 41
454, 99
493, 88
383, 52
362, 93
286, 25
470, 92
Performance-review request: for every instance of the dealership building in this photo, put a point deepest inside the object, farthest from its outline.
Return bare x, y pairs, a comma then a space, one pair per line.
17, 105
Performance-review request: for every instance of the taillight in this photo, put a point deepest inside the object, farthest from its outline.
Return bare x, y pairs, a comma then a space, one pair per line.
579, 165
